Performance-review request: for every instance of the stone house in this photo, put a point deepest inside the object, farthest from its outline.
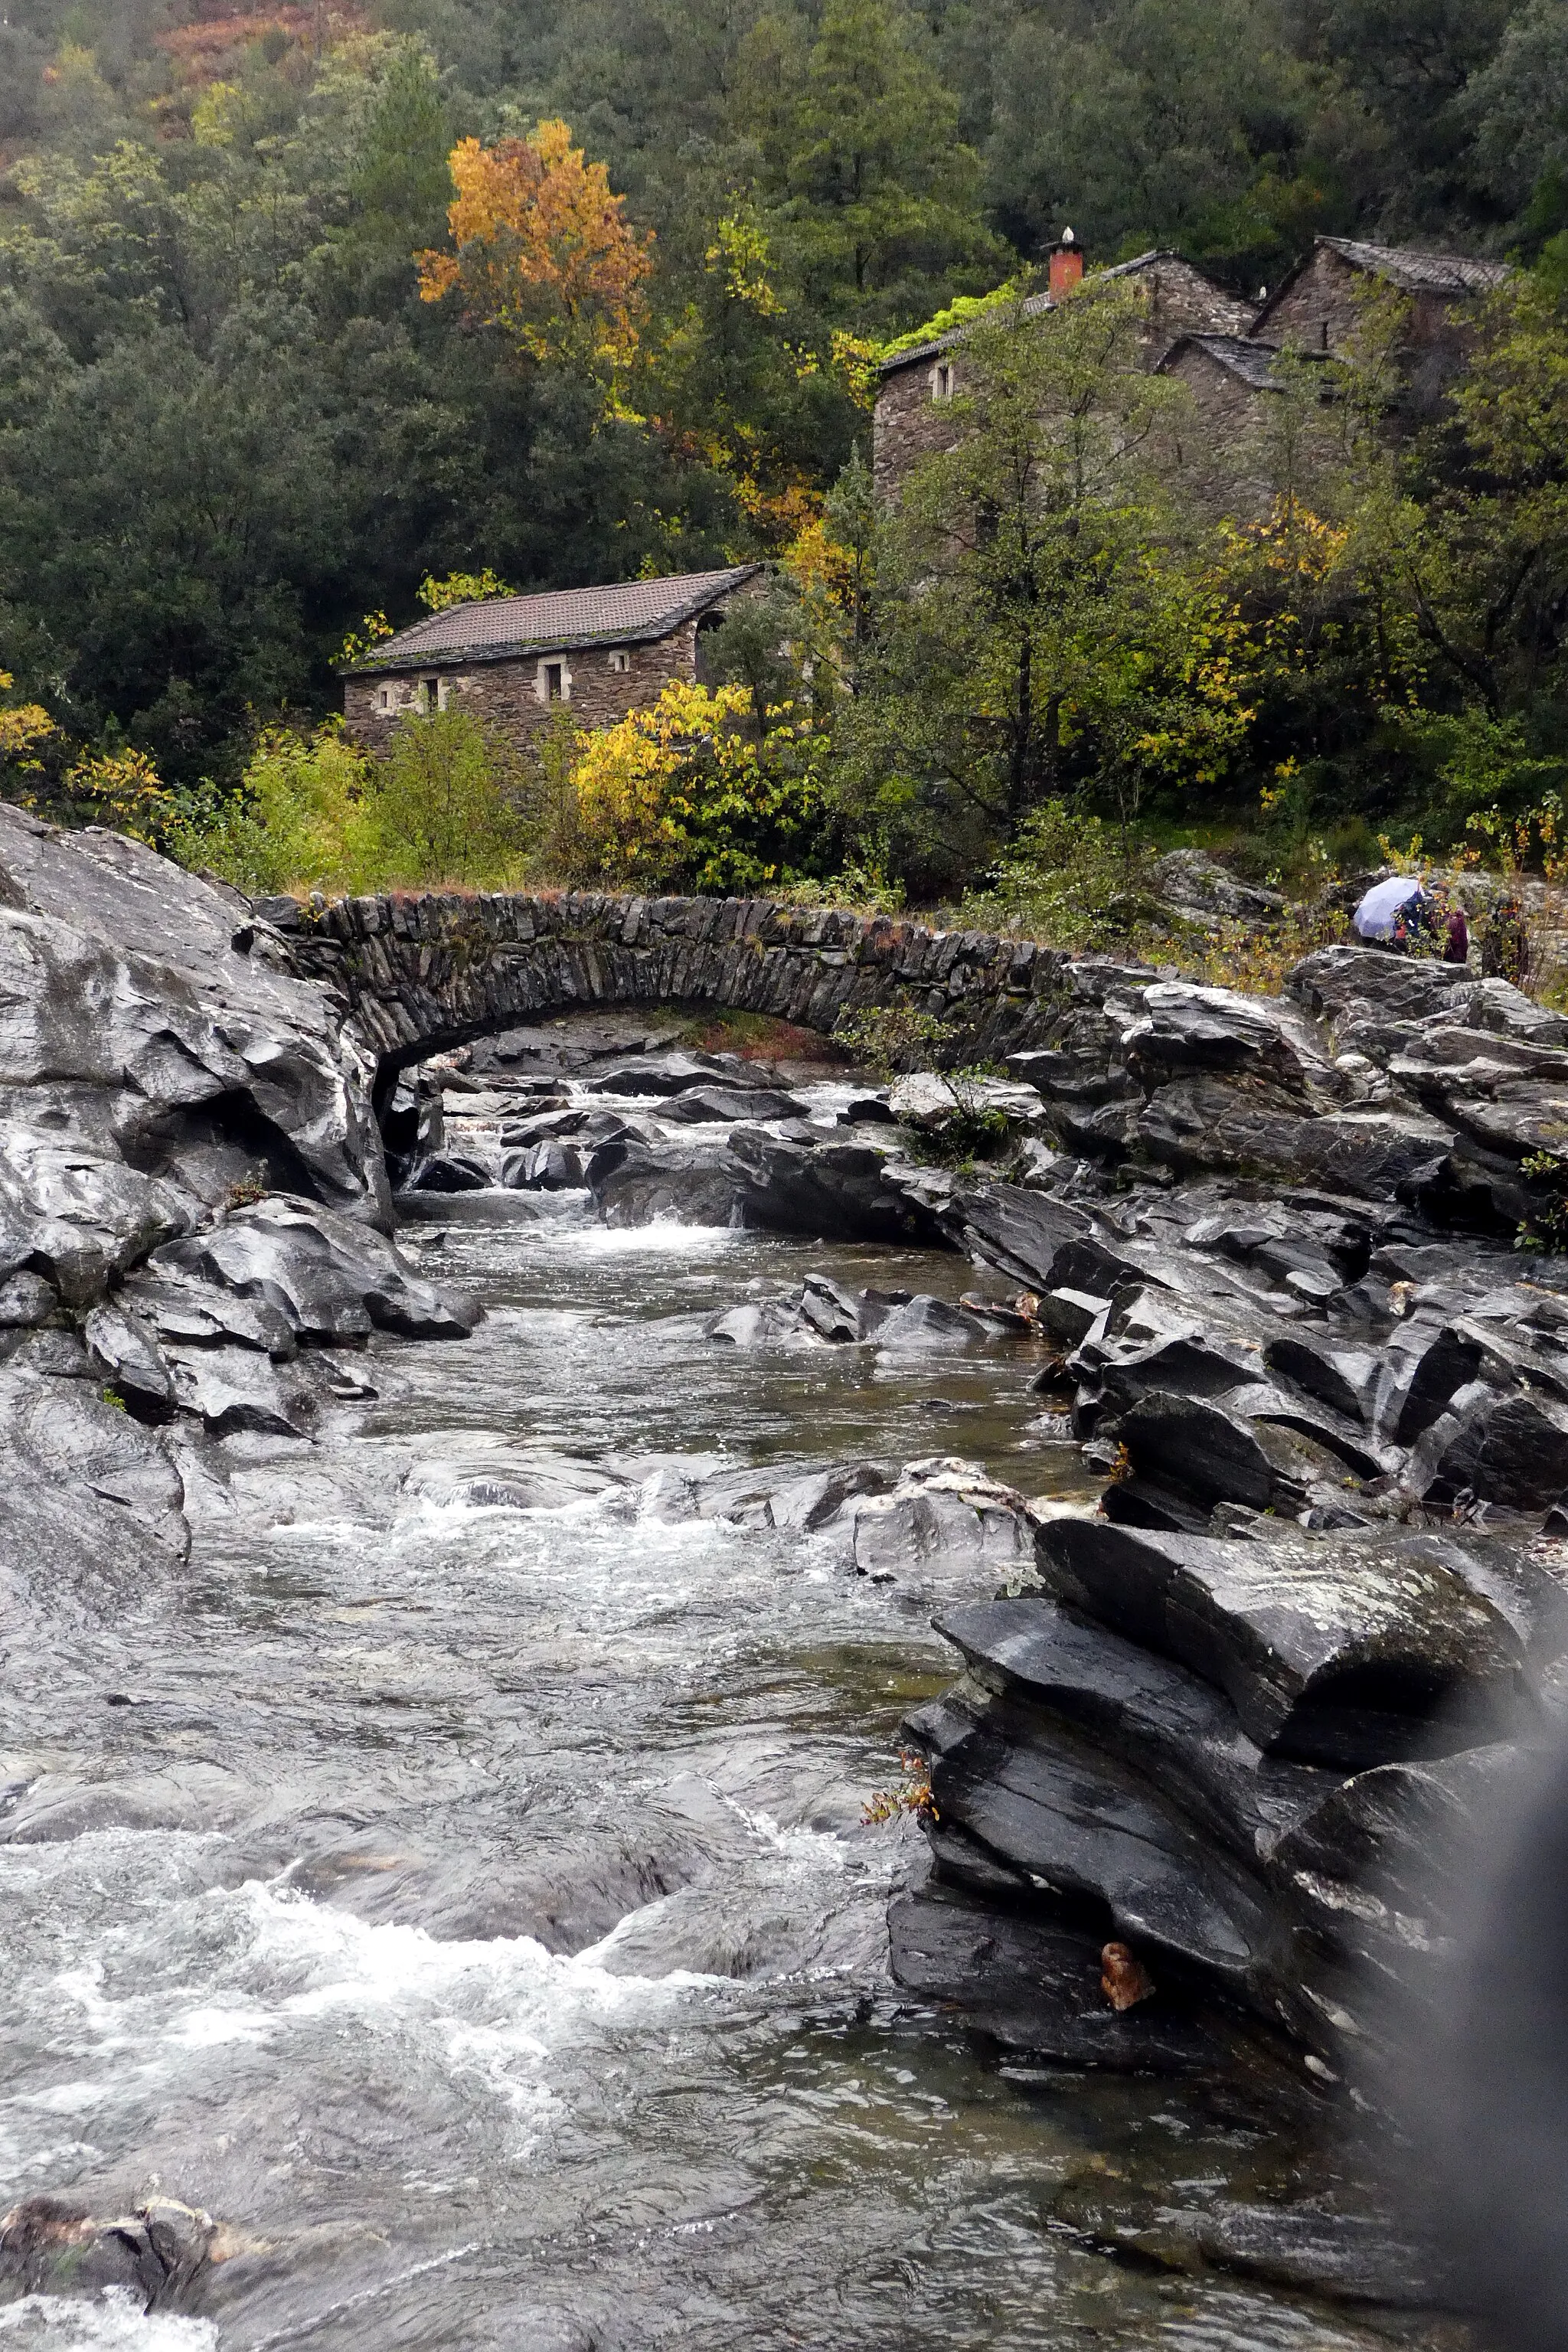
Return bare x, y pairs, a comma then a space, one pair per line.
1221, 446
911, 418
1225, 350
512, 660
1317, 308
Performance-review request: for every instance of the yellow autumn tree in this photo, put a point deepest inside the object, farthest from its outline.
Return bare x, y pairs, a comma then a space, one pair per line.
683, 792
23, 727
542, 249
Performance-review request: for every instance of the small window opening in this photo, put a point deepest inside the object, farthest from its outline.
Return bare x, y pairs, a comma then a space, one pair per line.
941, 380
383, 698
554, 681
1323, 336
433, 694
620, 661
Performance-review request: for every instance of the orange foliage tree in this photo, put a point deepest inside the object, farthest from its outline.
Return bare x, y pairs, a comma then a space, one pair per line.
543, 250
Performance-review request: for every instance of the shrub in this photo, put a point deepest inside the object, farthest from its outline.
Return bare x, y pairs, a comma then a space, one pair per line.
1067, 879
683, 795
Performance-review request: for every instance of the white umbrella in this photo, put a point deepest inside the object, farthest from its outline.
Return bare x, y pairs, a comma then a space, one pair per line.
1373, 918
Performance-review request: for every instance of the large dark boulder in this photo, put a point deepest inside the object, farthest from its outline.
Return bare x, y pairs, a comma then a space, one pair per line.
1350, 1651
155, 1052
331, 1279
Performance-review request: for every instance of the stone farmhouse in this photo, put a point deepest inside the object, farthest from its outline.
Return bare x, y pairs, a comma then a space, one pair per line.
1224, 350
912, 416
512, 660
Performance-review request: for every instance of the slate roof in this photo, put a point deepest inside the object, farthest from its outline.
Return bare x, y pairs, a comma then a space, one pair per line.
1450, 276
1032, 308
1421, 273
1239, 355
635, 611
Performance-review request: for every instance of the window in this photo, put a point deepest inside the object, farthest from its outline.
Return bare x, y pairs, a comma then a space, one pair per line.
553, 681
620, 661
433, 694
553, 674
941, 380
386, 697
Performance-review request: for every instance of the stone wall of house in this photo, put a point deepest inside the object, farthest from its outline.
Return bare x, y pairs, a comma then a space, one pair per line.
910, 422
1322, 310
1218, 447
505, 694
416, 974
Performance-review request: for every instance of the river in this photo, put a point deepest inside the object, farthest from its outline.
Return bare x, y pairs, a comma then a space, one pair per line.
471, 1903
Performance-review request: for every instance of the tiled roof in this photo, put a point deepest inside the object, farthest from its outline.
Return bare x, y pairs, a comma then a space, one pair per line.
634, 613
1033, 306
1421, 273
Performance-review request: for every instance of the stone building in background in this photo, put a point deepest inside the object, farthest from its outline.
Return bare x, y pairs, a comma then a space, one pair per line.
913, 416
512, 660
1225, 352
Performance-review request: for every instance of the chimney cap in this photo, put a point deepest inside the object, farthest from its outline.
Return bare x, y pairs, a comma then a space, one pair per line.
1066, 236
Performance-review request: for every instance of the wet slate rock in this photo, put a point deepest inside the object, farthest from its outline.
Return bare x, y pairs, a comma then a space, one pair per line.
551, 1166
945, 1517
664, 1074
330, 1278
155, 2254
1185, 1028
1185, 1442
125, 1351
1351, 2258
1074, 1818
1345, 1650
1015, 1230
1167, 1722
1424, 1365
1341, 1377
184, 1312
712, 1105
830, 1310
72, 1438
636, 1182
929, 1325
832, 1191
1190, 1365
1337, 980
450, 1171
231, 1390
1033, 1985
25, 1299
1510, 1450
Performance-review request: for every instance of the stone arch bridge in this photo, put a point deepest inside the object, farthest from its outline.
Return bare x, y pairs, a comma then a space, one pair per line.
421, 974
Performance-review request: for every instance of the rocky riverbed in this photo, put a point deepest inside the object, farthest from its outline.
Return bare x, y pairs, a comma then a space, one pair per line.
434, 1773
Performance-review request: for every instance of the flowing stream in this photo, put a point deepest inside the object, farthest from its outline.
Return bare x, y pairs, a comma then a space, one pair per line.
471, 1902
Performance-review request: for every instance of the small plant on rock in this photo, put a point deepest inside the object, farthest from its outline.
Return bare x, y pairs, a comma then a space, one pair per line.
891, 1038
912, 1796
1546, 1227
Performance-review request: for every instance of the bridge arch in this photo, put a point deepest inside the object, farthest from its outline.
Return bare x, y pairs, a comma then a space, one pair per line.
418, 974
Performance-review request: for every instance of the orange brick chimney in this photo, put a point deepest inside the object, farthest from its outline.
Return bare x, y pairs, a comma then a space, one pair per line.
1066, 265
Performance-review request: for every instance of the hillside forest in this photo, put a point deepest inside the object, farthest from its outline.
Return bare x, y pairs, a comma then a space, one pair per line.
315, 315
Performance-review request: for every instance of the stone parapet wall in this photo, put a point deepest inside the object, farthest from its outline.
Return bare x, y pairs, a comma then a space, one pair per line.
419, 974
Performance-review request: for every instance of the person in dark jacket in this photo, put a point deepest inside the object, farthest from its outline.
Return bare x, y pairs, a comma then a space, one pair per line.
1456, 948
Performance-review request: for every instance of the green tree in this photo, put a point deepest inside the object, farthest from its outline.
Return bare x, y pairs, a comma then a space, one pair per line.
1044, 625
864, 179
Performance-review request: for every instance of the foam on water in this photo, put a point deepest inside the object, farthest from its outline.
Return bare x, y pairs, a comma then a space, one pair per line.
114, 2324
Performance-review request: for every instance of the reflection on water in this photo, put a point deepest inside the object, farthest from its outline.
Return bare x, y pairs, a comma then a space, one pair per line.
473, 1904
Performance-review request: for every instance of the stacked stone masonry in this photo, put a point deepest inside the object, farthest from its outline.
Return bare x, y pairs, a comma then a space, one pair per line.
910, 422
604, 683
418, 975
